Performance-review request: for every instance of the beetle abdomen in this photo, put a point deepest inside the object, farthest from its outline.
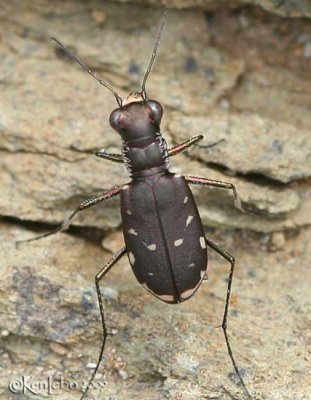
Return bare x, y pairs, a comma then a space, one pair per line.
164, 237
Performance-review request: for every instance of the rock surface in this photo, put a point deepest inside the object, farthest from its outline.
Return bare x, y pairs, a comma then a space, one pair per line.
241, 75
250, 145
286, 8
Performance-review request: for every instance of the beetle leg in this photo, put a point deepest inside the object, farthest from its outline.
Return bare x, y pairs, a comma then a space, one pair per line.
210, 145
217, 184
108, 194
215, 246
179, 148
103, 153
116, 257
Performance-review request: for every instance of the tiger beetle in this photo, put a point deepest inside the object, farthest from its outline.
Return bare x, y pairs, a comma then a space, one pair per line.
160, 218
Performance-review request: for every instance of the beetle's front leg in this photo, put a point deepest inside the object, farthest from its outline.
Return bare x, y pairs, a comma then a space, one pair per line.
103, 153
179, 148
194, 180
108, 194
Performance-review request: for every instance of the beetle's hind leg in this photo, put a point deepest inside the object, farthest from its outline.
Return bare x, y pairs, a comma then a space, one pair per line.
116, 257
108, 194
220, 250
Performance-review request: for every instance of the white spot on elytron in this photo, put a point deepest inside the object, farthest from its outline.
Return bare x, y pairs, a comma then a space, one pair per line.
151, 246
189, 292
202, 242
178, 242
150, 273
185, 199
125, 187
191, 265
132, 232
128, 212
164, 297
131, 258
189, 219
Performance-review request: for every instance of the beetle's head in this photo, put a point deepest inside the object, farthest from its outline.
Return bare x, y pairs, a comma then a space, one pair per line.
137, 118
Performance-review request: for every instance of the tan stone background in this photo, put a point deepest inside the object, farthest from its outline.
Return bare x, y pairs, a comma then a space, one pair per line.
232, 70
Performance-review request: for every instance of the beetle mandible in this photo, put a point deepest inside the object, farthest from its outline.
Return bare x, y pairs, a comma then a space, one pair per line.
160, 219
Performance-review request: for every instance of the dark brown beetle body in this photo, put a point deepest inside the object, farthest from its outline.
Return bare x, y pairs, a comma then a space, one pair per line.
164, 236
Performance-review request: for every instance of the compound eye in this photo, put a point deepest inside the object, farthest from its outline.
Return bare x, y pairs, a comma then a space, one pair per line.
157, 110
115, 120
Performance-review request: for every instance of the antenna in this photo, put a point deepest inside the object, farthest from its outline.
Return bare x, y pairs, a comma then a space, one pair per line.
153, 55
87, 69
